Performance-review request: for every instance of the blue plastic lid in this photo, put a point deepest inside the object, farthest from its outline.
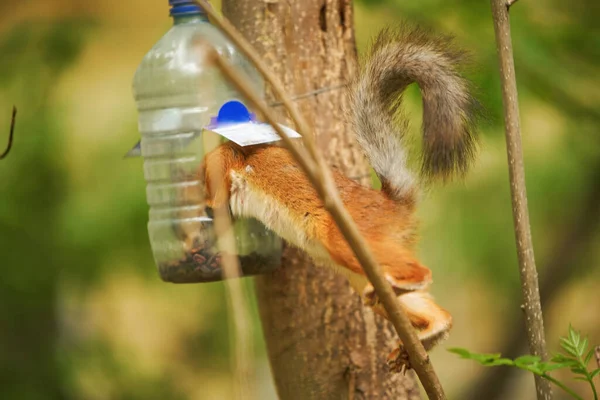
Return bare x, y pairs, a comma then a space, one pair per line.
184, 7
230, 113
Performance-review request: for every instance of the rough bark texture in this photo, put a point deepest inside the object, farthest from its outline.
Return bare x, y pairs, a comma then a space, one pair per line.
322, 343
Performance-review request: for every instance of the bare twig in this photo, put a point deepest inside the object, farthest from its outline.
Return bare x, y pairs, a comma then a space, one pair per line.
597, 354
510, 3
237, 304
238, 309
320, 176
351, 383
11, 133
529, 279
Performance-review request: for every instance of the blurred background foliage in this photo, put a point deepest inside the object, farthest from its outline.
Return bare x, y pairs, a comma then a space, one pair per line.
83, 312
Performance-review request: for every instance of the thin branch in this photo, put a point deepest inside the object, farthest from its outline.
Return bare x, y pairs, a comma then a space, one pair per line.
320, 176
351, 383
11, 133
237, 304
597, 354
241, 343
510, 3
529, 279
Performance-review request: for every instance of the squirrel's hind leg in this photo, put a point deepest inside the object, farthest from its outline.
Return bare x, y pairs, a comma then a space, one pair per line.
432, 322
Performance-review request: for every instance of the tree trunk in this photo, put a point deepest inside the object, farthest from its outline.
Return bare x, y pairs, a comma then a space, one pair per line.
322, 343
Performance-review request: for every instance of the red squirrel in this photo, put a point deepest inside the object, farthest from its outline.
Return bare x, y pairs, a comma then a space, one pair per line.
264, 181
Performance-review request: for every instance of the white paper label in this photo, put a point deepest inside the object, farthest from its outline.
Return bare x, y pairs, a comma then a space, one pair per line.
251, 133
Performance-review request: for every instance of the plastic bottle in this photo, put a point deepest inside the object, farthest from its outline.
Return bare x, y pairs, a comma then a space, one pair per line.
176, 96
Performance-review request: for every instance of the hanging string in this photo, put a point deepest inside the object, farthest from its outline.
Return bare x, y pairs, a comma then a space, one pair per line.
309, 94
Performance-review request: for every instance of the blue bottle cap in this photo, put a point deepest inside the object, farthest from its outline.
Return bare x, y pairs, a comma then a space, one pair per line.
184, 7
230, 113
236, 123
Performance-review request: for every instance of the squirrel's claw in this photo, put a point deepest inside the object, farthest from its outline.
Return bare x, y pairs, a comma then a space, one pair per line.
398, 360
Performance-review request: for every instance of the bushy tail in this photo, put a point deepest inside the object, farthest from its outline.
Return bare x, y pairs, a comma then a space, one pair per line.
396, 60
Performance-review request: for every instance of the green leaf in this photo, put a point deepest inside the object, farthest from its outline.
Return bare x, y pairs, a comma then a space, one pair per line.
500, 361
561, 358
530, 363
527, 360
578, 369
533, 368
547, 367
594, 373
487, 358
573, 336
575, 342
491, 359
568, 347
583, 346
588, 357
464, 353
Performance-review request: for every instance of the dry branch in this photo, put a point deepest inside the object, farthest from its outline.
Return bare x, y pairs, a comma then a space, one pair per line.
241, 342
320, 176
237, 305
11, 133
529, 278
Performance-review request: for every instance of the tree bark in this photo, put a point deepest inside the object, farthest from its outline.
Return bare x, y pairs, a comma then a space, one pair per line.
322, 343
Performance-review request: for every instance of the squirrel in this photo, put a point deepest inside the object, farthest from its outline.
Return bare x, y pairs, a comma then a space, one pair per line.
264, 181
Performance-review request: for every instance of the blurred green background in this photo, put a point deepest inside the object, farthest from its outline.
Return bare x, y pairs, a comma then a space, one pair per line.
83, 312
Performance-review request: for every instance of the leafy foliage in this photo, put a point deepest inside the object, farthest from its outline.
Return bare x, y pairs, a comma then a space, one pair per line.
576, 357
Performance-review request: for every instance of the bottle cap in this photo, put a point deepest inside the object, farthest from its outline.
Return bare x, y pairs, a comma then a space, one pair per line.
235, 122
184, 7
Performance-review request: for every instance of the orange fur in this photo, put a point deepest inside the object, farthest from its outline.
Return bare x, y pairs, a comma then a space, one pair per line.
388, 226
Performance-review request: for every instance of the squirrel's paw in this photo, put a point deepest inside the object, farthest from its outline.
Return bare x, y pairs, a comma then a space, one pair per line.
370, 297
398, 360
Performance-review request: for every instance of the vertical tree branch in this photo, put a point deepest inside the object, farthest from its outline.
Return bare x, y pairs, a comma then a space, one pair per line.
529, 279
238, 312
